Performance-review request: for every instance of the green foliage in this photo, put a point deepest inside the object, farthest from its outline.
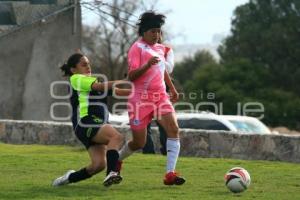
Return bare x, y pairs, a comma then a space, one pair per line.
184, 70
239, 82
259, 63
232, 84
267, 32
281, 107
28, 170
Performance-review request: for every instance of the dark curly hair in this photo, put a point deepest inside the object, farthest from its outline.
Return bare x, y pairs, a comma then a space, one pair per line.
71, 63
149, 20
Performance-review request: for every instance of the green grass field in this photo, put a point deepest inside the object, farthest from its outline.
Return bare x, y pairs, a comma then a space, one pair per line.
28, 170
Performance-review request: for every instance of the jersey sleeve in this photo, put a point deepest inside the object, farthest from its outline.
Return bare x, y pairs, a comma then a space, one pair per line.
170, 61
82, 83
134, 58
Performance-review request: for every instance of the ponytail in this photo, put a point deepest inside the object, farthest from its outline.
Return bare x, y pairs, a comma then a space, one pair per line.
71, 63
66, 70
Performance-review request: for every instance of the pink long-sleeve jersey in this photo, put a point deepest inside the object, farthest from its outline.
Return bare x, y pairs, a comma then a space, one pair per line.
152, 81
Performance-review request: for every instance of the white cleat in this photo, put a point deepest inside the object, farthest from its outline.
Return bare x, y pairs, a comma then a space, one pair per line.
63, 180
112, 178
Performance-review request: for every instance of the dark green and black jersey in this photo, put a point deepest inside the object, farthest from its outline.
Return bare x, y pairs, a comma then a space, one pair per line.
86, 102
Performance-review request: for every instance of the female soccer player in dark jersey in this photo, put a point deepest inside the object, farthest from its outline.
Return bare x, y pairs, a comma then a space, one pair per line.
102, 141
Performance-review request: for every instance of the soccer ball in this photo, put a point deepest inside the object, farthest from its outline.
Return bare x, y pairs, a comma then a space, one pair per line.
237, 179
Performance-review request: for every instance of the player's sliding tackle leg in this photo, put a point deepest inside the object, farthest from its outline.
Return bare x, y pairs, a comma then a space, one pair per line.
111, 139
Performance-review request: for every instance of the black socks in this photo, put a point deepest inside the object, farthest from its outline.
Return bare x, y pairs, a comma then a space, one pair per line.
79, 176
112, 157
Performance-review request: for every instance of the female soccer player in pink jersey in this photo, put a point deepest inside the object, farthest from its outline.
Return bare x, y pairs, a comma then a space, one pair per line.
147, 72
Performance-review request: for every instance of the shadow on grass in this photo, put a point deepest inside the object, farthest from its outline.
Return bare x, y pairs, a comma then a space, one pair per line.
227, 193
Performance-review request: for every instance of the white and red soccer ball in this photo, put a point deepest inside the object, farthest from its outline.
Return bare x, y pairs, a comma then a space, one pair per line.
237, 179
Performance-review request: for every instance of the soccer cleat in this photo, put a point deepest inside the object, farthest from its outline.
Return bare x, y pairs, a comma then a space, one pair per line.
112, 178
63, 180
173, 178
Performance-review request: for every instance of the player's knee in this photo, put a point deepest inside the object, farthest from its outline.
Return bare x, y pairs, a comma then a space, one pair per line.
112, 134
119, 138
173, 130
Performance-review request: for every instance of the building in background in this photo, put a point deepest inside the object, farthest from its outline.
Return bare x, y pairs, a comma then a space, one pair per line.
36, 37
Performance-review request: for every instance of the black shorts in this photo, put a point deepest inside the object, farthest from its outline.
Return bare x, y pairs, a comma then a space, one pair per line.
86, 129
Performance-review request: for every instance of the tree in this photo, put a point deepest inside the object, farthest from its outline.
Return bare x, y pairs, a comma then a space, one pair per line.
267, 32
233, 84
230, 84
183, 70
282, 108
108, 42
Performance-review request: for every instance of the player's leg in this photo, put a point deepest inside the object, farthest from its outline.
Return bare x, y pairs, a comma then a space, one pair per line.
167, 119
139, 121
98, 163
97, 155
140, 116
95, 138
113, 139
84, 133
137, 142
